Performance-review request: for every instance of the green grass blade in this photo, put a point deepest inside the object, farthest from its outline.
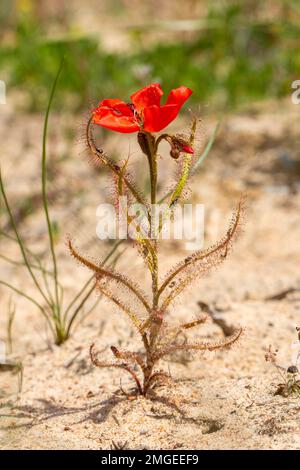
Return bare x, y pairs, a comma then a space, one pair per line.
44, 186
31, 299
77, 310
207, 148
10, 321
21, 263
20, 242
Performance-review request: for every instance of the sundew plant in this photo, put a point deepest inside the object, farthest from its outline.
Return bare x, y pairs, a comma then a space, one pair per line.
146, 116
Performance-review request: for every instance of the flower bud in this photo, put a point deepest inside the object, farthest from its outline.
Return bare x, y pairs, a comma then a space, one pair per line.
144, 143
179, 145
292, 370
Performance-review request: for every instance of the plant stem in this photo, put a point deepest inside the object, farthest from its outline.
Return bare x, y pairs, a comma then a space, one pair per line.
21, 263
11, 317
152, 160
154, 324
44, 189
80, 306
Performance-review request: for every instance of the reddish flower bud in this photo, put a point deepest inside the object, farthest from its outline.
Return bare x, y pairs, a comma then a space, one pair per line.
144, 142
178, 145
187, 149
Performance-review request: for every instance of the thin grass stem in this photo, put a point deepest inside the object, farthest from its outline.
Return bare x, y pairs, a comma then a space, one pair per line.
44, 186
20, 242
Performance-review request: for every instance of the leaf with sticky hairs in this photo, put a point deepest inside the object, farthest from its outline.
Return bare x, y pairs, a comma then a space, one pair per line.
122, 306
123, 366
201, 346
202, 261
108, 273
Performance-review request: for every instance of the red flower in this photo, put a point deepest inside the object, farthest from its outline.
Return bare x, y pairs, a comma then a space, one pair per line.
144, 113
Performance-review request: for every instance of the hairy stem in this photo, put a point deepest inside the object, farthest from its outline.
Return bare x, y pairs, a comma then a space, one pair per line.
101, 157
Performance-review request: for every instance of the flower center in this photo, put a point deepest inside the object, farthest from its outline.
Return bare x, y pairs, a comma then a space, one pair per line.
132, 107
137, 116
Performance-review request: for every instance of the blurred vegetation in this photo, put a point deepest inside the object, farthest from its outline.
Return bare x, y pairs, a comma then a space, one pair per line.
232, 59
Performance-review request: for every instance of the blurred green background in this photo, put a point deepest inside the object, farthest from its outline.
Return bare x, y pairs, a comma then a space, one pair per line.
231, 53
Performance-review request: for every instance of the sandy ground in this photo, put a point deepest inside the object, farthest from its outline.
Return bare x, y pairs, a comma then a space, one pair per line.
223, 400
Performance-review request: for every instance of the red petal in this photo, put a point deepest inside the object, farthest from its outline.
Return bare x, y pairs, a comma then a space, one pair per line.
147, 96
110, 103
118, 105
179, 95
107, 118
158, 117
